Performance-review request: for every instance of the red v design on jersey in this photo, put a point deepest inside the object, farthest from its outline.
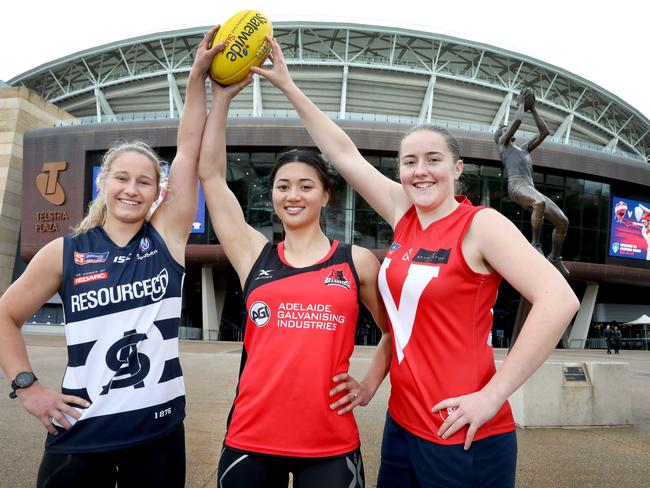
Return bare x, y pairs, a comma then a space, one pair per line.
402, 318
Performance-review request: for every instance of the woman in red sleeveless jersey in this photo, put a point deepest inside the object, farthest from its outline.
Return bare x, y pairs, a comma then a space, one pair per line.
439, 282
302, 300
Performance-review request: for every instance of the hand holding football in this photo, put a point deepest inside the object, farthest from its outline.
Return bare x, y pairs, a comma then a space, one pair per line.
244, 35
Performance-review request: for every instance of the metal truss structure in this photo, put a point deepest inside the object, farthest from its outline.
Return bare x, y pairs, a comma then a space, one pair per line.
351, 72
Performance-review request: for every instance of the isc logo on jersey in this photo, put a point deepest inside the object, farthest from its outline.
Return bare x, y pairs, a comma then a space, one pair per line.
260, 313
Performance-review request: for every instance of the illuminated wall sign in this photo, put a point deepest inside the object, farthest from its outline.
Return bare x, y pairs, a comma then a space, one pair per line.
629, 236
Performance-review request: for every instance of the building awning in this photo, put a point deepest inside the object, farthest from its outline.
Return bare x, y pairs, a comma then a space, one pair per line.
621, 313
643, 320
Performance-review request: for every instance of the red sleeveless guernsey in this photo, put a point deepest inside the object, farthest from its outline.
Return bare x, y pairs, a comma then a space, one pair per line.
299, 335
440, 313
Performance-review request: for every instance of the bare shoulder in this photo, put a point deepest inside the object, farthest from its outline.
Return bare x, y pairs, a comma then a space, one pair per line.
363, 255
51, 254
489, 223
491, 237
501, 244
47, 264
365, 262
39, 282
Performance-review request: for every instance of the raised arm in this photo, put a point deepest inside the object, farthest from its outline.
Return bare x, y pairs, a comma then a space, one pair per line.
37, 284
383, 194
241, 242
360, 393
542, 129
499, 243
174, 217
512, 128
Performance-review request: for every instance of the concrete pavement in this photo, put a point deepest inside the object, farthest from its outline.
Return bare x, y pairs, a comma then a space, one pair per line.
572, 458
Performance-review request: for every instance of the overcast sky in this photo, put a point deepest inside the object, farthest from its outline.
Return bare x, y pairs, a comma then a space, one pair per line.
604, 42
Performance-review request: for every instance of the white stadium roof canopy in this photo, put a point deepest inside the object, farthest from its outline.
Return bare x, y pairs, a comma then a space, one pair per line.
351, 71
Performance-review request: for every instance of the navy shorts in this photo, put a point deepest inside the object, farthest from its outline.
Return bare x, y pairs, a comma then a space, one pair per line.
408, 461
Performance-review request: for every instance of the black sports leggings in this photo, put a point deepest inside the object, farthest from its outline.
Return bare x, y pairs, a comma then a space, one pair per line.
241, 469
159, 463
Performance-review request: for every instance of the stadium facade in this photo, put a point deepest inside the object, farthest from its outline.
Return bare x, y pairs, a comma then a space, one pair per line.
375, 82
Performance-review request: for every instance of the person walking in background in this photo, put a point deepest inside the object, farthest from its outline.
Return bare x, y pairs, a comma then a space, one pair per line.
617, 336
608, 334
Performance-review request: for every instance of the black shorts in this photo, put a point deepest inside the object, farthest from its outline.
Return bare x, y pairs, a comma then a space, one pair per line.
242, 469
159, 463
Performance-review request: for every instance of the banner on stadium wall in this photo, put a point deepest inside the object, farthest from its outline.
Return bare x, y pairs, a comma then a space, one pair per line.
629, 235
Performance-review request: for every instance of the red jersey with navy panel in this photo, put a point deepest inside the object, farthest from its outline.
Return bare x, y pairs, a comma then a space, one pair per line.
440, 313
299, 334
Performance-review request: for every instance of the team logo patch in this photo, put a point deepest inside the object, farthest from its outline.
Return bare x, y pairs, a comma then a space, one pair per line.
441, 256
407, 255
131, 366
620, 209
82, 258
336, 277
264, 274
260, 313
394, 247
91, 277
145, 244
615, 246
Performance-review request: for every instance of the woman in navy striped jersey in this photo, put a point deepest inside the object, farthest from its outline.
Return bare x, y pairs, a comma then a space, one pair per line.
119, 415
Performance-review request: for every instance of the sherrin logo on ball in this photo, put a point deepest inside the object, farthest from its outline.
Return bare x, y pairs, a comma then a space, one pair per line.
244, 35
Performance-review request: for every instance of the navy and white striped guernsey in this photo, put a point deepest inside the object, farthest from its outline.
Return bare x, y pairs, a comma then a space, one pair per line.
122, 310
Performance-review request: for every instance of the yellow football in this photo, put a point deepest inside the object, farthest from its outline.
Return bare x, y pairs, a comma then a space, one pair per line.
245, 36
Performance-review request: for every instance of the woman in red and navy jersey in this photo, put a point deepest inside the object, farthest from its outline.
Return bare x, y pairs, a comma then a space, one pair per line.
118, 418
439, 283
292, 411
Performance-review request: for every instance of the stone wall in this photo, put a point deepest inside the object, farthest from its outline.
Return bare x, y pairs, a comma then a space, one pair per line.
20, 110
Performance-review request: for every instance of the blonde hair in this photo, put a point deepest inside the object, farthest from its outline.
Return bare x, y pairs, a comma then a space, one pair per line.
96, 214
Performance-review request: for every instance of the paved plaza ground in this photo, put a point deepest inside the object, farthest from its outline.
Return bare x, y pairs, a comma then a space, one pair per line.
591, 457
